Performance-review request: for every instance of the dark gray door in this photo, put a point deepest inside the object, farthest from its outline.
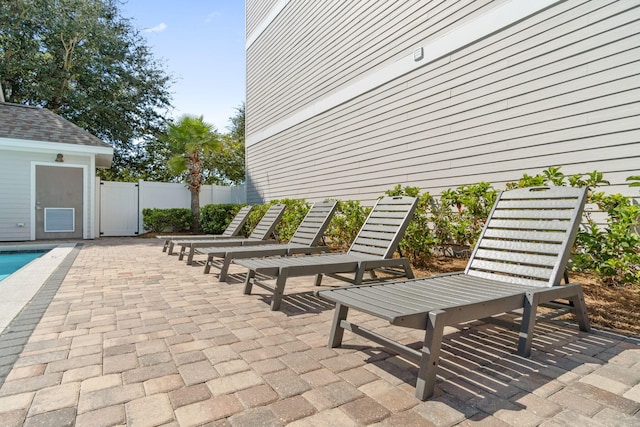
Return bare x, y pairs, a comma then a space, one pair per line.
59, 202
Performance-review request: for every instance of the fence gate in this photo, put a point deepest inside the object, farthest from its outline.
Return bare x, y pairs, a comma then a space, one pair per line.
118, 208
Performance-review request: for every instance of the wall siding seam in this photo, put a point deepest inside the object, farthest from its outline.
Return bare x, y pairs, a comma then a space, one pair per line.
340, 68
264, 24
452, 41
409, 124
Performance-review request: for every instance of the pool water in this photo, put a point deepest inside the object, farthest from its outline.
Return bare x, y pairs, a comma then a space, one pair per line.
10, 262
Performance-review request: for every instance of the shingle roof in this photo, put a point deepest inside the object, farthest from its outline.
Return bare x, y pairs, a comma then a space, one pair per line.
38, 124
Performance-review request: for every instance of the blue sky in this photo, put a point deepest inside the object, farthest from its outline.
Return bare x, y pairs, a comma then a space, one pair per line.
201, 44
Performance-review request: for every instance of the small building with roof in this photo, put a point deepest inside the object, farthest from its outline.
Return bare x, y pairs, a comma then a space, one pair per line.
47, 175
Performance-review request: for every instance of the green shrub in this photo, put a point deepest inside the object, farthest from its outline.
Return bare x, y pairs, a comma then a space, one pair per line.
464, 212
160, 220
448, 226
419, 240
346, 222
256, 214
611, 251
294, 212
454, 221
215, 218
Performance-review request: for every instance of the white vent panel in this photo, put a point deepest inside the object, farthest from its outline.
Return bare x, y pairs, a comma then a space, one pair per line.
57, 220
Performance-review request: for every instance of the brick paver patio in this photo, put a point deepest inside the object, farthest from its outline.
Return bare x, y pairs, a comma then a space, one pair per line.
135, 337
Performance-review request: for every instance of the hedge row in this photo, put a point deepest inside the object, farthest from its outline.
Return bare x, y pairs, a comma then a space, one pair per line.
450, 224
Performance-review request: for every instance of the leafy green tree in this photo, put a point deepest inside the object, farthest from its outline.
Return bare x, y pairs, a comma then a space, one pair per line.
82, 60
190, 140
228, 166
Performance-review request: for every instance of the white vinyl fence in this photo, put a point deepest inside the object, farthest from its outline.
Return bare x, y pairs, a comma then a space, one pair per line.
120, 204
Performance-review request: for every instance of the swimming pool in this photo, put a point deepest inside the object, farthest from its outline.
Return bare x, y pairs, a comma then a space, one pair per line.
12, 261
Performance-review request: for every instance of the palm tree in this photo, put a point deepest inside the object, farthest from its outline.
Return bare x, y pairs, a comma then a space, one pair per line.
191, 140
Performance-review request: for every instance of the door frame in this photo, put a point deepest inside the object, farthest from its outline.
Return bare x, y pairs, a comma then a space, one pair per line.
86, 195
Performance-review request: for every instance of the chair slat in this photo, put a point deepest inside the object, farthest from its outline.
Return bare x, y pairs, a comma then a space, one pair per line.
371, 250
521, 246
536, 236
508, 279
516, 257
314, 223
529, 225
511, 269
533, 214
237, 222
537, 204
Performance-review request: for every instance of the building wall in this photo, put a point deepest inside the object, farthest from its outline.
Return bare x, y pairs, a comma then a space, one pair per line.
15, 191
15, 196
338, 107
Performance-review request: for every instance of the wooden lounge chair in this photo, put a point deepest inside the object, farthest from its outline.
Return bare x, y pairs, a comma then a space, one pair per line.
518, 263
303, 241
232, 230
264, 229
372, 249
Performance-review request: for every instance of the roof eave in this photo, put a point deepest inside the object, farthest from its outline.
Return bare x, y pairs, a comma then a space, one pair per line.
14, 144
103, 161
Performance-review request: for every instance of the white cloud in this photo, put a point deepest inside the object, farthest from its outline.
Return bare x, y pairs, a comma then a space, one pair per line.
158, 28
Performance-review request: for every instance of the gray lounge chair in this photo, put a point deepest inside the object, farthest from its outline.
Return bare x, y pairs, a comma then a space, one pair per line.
518, 263
232, 230
303, 241
372, 250
264, 229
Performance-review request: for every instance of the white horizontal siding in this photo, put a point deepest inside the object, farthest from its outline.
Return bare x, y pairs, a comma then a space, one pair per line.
15, 191
315, 48
14, 196
256, 13
561, 88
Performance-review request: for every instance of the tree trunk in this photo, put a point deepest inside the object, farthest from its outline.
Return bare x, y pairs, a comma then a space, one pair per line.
195, 209
195, 183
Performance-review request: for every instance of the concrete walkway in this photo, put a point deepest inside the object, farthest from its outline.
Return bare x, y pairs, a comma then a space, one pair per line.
135, 337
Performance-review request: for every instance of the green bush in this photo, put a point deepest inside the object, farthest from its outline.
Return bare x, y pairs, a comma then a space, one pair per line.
611, 251
448, 225
346, 222
464, 212
419, 240
160, 220
256, 214
294, 213
215, 218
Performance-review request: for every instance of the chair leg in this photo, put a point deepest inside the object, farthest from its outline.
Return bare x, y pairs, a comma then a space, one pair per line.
248, 282
181, 254
359, 274
165, 246
426, 382
580, 310
408, 272
531, 301
224, 269
340, 314
278, 290
170, 250
192, 252
318, 280
207, 266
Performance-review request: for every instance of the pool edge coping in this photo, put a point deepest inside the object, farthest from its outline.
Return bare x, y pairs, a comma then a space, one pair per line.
16, 334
